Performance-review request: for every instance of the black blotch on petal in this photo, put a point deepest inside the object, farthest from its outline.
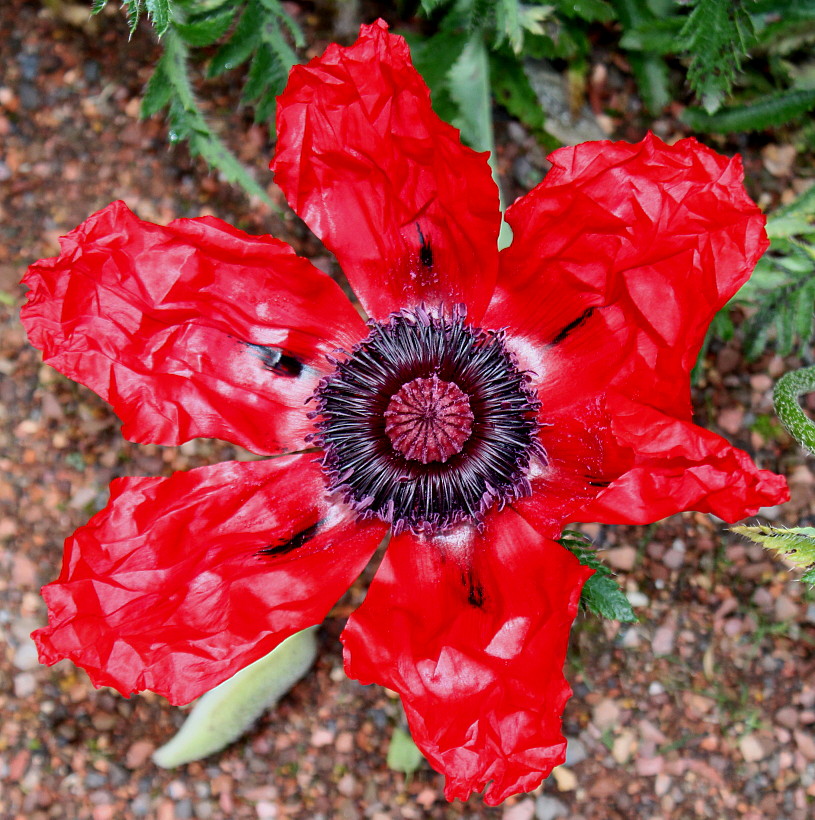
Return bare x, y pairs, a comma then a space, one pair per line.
581, 319
475, 592
277, 361
425, 251
598, 483
291, 544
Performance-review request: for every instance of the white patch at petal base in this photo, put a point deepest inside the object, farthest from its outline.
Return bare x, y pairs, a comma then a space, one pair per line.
508, 641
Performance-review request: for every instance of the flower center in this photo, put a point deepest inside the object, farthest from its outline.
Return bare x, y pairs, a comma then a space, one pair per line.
429, 420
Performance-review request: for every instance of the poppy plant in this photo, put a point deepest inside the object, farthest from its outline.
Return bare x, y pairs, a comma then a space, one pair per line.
488, 399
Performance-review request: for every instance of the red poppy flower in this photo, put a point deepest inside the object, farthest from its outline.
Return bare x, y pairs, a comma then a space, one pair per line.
489, 399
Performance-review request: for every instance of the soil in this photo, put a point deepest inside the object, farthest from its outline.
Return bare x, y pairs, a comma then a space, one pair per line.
704, 709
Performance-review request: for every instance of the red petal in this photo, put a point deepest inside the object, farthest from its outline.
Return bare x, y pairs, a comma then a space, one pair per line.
472, 631
678, 466
165, 588
364, 161
654, 238
582, 458
182, 328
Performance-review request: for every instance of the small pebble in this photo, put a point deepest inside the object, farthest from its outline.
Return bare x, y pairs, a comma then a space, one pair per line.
550, 808
139, 753
25, 655
605, 714
575, 752
564, 778
621, 558
787, 716
805, 743
525, 810
752, 749
25, 684
663, 642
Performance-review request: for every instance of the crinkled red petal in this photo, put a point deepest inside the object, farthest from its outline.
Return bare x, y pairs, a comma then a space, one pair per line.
678, 466
471, 629
636, 246
411, 214
194, 329
167, 589
582, 458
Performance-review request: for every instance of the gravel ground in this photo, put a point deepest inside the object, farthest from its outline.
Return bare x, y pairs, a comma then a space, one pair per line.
705, 709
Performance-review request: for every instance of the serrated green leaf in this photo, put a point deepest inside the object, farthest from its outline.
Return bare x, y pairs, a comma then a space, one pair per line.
224, 713
601, 593
403, 754
188, 123
803, 205
257, 78
716, 36
158, 91
511, 88
206, 30
651, 73
649, 68
654, 36
98, 5
278, 15
241, 44
796, 544
429, 6
765, 112
433, 58
133, 10
469, 84
809, 576
604, 597
159, 13
592, 11
783, 227
508, 24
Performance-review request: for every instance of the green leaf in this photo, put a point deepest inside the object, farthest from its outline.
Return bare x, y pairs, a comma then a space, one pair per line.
803, 205
508, 24
241, 44
654, 36
159, 89
205, 30
764, 112
511, 88
433, 59
279, 15
469, 83
796, 544
188, 123
159, 13
603, 596
788, 389
98, 5
226, 712
592, 11
601, 593
649, 68
716, 36
429, 6
403, 754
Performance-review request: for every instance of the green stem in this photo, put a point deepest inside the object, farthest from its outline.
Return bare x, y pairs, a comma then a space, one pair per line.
789, 388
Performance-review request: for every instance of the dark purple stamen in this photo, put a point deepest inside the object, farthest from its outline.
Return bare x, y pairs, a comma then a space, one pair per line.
427, 422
